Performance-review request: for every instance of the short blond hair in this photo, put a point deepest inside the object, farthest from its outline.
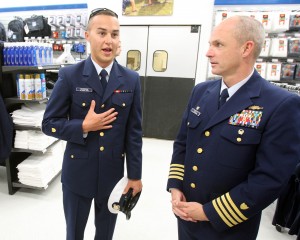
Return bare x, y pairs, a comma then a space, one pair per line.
249, 29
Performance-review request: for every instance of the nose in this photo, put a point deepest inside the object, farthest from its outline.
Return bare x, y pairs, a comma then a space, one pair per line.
108, 39
209, 52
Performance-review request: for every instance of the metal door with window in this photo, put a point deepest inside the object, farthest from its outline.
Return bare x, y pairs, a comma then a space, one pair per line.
166, 59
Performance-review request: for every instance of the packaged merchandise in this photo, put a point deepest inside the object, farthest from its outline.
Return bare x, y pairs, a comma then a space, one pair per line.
288, 71
294, 47
273, 71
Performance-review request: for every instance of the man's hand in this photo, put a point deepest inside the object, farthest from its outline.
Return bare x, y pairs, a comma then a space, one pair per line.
192, 210
178, 197
136, 185
95, 122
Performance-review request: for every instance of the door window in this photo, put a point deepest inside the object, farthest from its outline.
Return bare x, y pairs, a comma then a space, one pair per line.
160, 60
133, 60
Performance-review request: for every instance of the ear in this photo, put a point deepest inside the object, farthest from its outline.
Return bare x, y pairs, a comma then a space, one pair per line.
86, 34
247, 48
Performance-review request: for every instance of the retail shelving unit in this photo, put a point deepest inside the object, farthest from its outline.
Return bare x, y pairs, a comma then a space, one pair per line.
8, 87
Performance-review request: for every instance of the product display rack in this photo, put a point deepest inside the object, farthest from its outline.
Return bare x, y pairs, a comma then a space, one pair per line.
9, 93
287, 32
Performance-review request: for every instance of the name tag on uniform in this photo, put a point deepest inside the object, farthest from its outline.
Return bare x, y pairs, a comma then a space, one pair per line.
196, 112
79, 89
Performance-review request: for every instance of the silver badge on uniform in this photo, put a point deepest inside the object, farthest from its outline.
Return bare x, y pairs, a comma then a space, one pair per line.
79, 89
196, 112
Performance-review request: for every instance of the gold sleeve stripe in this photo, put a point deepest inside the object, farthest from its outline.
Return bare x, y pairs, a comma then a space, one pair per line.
178, 169
225, 212
177, 177
221, 214
230, 210
177, 173
177, 165
242, 216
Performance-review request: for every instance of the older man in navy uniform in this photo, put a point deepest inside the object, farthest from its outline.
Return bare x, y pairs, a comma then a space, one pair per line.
100, 118
234, 152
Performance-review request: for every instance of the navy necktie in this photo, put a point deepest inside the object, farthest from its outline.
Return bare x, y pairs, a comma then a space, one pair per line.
103, 80
224, 95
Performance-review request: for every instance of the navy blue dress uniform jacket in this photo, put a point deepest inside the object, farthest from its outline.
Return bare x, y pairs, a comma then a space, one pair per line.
235, 167
93, 165
6, 132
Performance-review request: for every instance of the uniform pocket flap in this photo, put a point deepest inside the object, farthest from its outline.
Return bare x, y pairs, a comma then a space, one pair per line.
241, 135
193, 120
82, 99
77, 153
122, 99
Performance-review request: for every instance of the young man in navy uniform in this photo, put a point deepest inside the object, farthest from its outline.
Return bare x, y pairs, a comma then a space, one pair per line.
231, 161
100, 118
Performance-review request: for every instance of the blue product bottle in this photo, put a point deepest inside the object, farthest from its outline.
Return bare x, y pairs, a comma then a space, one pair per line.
37, 54
45, 54
25, 55
21, 54
17, 83
29, 54
12, 55
51, 53
17, 50
34, 56
8, 56
43, 83
5, 54
41, 54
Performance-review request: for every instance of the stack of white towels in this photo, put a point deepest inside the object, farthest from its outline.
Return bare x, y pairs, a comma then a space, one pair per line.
43, 165
30, 114
33, 140
39, 169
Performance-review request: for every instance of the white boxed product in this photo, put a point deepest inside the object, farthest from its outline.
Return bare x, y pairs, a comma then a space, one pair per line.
80, 20
281, 21
70, 20
265, 51
266, 19
79, 32
254, 15
69, 32
52, 21
222, 15
273, 71
279, 47
261, 68
61, 20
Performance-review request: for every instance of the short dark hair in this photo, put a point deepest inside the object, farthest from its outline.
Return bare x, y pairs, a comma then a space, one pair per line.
102, 11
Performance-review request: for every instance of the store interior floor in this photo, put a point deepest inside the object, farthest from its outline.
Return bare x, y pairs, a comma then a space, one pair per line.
38, 214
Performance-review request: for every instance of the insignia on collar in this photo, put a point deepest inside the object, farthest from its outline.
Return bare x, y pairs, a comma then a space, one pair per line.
255, 107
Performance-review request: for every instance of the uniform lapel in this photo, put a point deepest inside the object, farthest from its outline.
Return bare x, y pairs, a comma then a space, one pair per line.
211, 99
91, 77
241, 100
113, 82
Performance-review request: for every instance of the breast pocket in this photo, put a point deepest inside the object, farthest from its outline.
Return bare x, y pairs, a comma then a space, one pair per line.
81, 104
122, 100
193, 120
241, 135
237, 147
